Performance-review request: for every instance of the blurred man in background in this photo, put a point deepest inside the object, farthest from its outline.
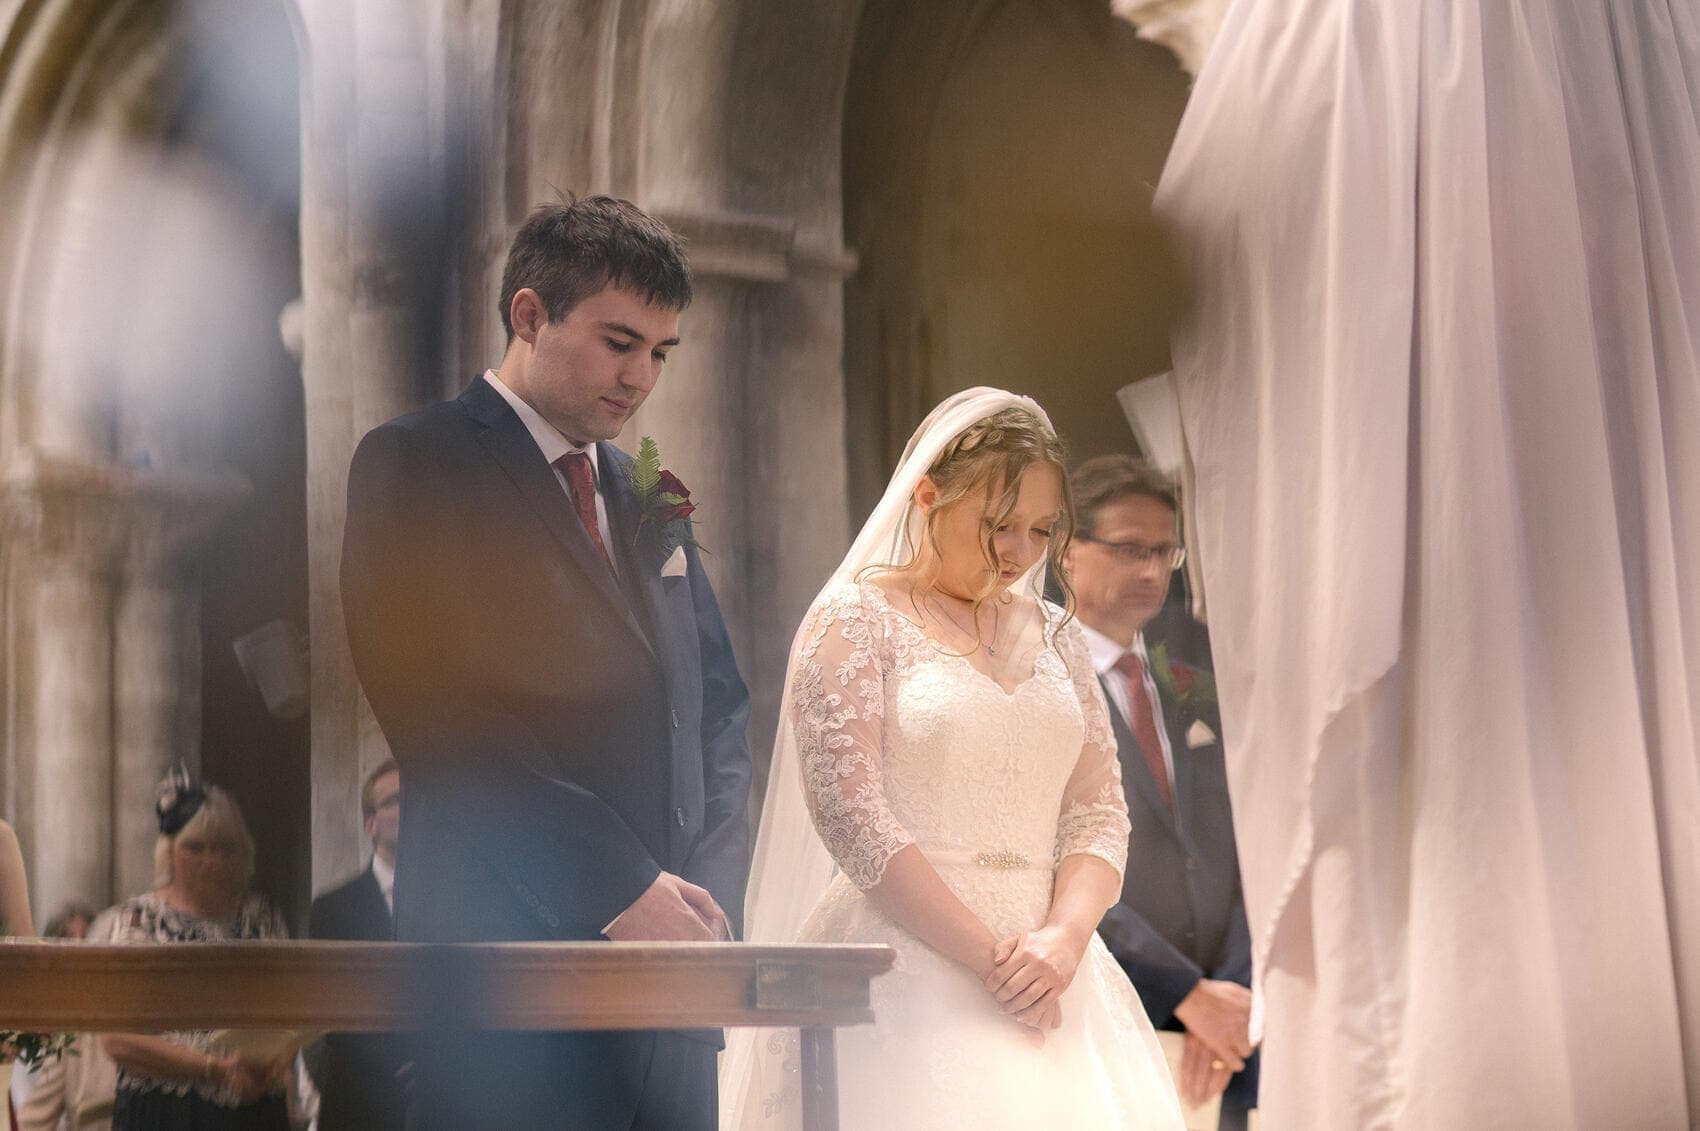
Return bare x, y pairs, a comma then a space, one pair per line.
358, 1085
1180, 928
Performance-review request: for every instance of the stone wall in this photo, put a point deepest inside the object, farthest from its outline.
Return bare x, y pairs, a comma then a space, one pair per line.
427, 129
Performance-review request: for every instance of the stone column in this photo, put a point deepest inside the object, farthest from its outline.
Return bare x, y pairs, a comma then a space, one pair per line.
364, 118
157, 652
740, 151
327, 366
65, 530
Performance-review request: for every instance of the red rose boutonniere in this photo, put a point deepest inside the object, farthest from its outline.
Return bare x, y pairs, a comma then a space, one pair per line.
1192, 690
664, 507
671, 500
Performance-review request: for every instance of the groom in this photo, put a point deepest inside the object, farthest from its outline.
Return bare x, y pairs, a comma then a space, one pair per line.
549, 664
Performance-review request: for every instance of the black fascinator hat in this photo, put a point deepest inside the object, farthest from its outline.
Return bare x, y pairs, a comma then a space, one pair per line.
180, 798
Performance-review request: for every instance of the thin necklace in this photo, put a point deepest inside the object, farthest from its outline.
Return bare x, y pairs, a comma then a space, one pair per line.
991, 646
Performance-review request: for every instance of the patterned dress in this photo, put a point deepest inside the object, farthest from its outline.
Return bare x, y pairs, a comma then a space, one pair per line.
145, 1103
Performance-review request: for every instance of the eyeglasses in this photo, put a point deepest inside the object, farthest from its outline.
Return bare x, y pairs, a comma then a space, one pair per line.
1138, 553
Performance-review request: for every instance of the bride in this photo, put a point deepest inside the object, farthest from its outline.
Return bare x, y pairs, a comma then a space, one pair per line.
945, 782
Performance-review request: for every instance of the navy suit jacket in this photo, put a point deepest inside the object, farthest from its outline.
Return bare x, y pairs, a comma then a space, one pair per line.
563, 735
359, 1089
1181, 916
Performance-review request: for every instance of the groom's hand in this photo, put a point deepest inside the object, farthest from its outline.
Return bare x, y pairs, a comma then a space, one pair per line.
670, 910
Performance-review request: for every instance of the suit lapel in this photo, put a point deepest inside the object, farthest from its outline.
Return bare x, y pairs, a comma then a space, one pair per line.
641, 583
1134, 768
1184, 766
511, 446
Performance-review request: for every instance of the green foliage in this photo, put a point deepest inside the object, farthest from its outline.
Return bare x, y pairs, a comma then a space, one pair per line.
646, 469
1194, 694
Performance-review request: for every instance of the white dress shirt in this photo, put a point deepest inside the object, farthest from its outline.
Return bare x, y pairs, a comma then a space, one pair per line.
554, 446
1106, 653
385, 875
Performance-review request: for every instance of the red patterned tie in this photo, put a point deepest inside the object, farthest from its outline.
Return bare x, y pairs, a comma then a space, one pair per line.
1145, 725
581, 480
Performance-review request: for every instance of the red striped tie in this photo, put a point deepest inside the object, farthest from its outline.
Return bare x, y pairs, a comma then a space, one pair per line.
1145, 725
581, 480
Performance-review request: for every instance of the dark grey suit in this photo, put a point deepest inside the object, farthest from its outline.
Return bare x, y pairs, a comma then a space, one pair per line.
358, 1077
564, 736
1181, 917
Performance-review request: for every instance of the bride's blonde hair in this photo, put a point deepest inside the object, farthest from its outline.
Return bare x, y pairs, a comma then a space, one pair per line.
992, 453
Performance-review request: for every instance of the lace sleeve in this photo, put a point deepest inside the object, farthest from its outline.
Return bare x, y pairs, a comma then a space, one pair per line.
837, 708
1093, 821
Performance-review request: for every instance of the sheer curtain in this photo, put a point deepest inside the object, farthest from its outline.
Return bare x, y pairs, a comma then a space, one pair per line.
1441, 388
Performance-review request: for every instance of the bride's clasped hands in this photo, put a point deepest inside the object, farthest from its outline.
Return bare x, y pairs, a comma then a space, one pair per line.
1030, 973
1033, 969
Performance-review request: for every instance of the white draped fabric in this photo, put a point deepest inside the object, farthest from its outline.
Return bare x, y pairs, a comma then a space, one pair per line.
1442, 392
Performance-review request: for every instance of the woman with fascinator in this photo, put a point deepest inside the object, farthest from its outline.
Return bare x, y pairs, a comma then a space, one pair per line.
203, 863
945, 782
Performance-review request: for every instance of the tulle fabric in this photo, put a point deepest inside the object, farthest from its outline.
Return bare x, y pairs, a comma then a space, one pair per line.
1442, 395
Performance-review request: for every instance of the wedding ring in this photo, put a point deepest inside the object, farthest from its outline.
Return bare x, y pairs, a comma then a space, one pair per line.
1217, 1065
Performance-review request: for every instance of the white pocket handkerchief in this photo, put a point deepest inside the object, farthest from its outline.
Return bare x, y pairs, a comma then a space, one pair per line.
675, 565
1199, 734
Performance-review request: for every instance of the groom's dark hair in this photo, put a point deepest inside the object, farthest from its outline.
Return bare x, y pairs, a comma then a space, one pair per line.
568, 252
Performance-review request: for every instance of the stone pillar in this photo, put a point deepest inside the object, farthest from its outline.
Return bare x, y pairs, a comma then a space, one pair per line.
740, 151
753, 419
65, 530
104, 661
364, 116
327, 367
157, 653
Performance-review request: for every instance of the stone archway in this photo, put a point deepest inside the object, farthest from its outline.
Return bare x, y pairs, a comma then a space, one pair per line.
999, 161
137, 328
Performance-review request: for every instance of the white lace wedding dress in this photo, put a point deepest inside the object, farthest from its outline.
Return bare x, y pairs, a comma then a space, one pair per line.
903, 742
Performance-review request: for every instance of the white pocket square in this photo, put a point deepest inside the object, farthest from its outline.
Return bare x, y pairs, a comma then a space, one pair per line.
1199, 734
675, 565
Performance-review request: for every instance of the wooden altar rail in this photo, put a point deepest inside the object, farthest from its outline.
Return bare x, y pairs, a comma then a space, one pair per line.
364, 987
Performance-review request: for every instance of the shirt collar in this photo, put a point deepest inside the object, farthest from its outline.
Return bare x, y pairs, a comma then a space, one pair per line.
549, 439
1106, 652
384, 874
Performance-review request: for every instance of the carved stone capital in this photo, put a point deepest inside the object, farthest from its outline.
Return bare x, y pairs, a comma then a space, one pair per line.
103, 518
66, 511
753, 248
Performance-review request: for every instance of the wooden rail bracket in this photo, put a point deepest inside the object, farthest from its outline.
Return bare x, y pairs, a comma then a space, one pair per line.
785, 987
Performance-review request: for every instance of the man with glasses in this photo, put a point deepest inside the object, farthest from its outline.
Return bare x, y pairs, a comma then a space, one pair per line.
357, 1074
1180, 928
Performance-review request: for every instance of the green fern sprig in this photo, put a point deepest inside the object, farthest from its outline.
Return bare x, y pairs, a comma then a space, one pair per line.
646, 469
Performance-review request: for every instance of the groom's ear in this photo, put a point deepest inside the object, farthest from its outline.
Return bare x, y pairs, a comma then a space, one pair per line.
527, 315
